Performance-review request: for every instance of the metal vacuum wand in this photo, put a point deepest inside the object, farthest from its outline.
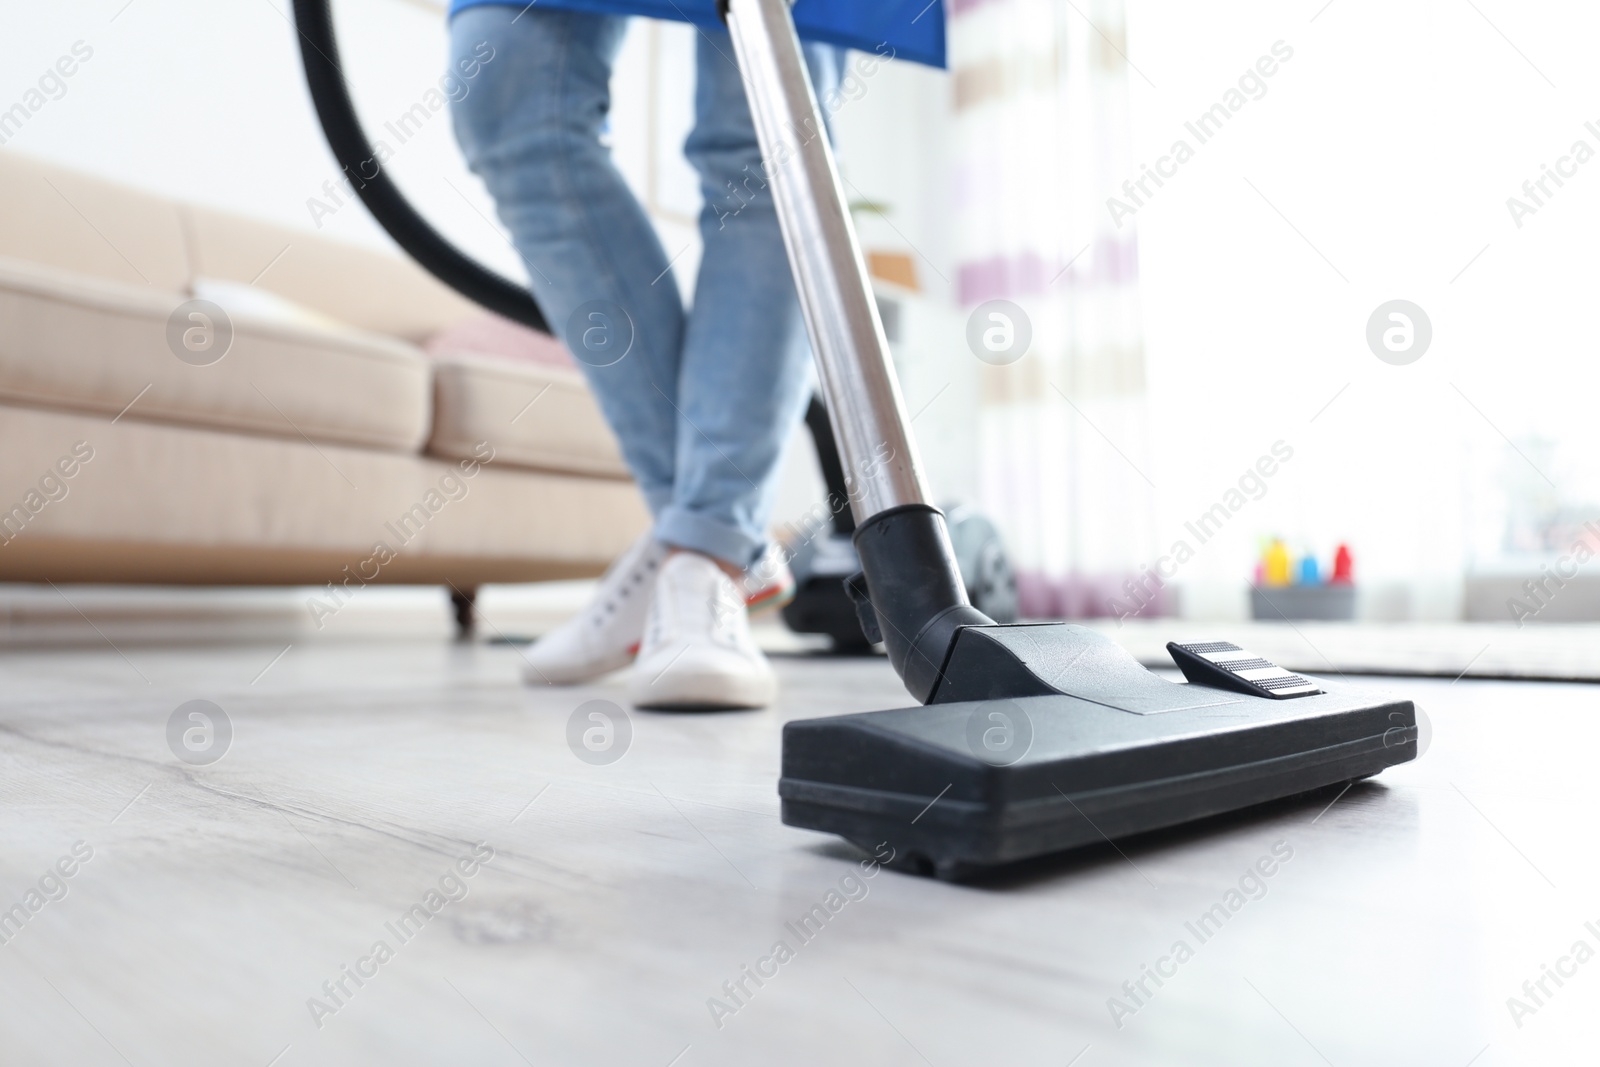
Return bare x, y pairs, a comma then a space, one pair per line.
847, 335
913, 584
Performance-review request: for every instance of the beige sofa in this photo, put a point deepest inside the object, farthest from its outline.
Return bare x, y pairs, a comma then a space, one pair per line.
313, 451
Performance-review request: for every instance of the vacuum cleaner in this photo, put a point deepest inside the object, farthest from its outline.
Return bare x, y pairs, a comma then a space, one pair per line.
1028, 738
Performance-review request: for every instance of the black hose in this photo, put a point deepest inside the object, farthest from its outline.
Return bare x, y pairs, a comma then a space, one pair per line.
319, 53
832, 467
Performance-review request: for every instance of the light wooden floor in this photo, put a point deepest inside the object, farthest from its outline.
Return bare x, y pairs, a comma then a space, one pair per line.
621, 897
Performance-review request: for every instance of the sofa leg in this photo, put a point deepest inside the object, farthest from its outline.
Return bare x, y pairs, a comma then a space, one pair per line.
462, 603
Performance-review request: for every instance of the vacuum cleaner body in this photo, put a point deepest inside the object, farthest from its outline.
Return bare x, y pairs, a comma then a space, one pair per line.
1100, 749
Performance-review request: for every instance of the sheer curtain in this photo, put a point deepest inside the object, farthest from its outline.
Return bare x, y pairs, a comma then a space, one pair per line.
1042, 137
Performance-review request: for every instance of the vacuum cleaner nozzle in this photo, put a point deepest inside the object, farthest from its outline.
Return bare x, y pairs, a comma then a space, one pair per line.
1043, 738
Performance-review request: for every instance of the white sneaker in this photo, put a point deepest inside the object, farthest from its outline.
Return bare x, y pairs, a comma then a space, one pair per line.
604, 636
769, 583
697, 651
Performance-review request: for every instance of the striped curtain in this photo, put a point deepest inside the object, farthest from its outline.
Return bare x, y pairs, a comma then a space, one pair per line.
1042, 135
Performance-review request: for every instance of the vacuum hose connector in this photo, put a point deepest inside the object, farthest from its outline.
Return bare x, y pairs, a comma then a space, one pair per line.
916, 591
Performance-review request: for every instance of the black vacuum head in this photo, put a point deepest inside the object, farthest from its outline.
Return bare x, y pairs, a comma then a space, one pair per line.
1110, 749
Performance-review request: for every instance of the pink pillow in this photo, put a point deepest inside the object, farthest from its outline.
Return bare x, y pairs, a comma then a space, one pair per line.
491, 335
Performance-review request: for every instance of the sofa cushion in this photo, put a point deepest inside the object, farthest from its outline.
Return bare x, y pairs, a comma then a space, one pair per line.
488, 334
535, 415
60, 218
366, 288
86, 500
72, 341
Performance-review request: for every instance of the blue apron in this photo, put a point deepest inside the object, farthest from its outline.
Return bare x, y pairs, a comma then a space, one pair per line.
903, 29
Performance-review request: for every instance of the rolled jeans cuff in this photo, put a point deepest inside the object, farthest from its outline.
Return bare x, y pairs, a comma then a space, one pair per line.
681, 528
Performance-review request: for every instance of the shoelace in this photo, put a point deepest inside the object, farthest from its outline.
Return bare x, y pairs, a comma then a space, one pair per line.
634, 579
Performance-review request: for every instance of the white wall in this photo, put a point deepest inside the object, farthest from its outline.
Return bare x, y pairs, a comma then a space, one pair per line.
1390, 141
206, 102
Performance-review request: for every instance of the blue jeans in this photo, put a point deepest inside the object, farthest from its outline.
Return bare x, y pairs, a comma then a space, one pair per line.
702, 401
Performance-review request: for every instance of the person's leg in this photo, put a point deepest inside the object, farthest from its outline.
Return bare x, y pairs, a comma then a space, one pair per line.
745, 373
530, 126
743, 384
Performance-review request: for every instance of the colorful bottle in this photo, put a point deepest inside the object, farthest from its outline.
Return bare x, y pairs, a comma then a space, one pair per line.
1309, 574
1343, 566
1276, 562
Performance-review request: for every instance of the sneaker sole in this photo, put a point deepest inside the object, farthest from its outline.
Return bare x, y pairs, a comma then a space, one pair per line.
769, 599
714, 692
